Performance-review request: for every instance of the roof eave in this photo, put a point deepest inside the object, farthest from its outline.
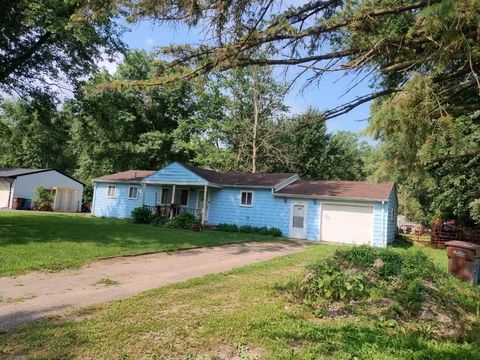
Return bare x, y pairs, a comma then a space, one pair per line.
318, 197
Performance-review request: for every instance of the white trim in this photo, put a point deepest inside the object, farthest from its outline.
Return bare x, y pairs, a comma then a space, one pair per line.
132, 198
115, 193
92, 210
246, 198
346, 204
286, 182
305, 217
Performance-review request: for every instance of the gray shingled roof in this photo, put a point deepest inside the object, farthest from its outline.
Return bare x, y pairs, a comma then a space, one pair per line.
237, 178
339, 189
14, 172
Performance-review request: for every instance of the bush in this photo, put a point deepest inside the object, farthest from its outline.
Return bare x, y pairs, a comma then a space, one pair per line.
247, 229
275, 232
475, 211
142, 215
184, 221
327, 281
228, 227
43, 200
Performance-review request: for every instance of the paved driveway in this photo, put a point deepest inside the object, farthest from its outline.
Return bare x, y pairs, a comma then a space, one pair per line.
39, 294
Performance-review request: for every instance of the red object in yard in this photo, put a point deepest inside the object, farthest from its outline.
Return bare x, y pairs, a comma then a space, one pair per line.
464, 260
443, 231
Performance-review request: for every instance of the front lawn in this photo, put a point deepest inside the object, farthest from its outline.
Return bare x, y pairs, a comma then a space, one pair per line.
33, 241
245, 312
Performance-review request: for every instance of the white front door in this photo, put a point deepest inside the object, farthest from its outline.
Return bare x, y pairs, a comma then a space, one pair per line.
298, 220
200, 203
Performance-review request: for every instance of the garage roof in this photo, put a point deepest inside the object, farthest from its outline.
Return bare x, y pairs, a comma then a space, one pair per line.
356, 190
13, 173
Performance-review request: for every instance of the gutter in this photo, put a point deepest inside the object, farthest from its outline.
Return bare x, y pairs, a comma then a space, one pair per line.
327, 197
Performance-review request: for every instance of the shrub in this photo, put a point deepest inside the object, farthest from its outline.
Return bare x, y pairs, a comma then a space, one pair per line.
247, 229
475, 211
43, 199
275, 232
141, 215
184, 221
263, 230
327, 281
227, 227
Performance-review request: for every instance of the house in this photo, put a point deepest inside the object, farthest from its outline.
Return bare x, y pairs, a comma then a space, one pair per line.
19, 184
353, 212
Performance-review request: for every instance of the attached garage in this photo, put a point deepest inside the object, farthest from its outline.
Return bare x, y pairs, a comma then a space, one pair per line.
18, 188
347, 224
346, 212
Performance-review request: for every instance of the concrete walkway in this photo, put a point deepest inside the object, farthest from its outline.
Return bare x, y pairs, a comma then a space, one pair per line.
39, 294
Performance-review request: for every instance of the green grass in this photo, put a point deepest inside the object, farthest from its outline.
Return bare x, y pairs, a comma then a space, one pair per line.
245, 312
45, 241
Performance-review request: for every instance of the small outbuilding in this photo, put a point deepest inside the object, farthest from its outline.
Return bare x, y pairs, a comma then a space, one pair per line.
18, 187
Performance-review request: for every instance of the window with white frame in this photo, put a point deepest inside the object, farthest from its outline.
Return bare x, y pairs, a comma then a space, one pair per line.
133, 192
111, 191
246, 198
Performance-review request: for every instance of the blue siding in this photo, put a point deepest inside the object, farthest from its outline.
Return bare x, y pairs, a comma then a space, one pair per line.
313, 220
379, 227
267, 210
175, 173
392, 216
121, 206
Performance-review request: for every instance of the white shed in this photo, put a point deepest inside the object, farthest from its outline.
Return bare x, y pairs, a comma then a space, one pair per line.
22, 183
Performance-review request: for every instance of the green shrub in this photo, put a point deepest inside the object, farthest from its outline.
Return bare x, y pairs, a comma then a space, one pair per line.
327, 281
184, 221
275, 232
142, 215
247, 229
43, 200
227, 227
475, 211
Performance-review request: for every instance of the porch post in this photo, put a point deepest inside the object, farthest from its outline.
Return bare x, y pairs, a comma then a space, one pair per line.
204, 204
173, 201
144, 187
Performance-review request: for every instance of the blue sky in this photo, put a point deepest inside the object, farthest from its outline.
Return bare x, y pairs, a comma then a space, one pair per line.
324, 95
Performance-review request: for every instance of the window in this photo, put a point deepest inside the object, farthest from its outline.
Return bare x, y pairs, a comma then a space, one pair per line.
166, 196
133, 192
246, 198
298, 216
111, 191
184, 197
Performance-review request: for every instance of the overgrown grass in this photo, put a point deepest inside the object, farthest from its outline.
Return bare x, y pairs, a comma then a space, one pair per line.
46, 241
246, 312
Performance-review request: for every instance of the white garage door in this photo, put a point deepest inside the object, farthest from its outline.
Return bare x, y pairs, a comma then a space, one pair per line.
347, 224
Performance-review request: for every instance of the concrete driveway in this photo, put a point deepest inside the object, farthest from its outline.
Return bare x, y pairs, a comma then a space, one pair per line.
39, 294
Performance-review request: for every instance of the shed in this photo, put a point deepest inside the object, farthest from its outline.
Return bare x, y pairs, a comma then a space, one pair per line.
22, 183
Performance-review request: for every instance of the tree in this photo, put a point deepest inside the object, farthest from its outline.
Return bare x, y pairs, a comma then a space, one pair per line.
301, 144
386, 39
46, 43
34, 134
434, 156
117, 129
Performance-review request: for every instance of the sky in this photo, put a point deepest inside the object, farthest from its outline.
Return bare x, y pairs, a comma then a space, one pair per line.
325, 95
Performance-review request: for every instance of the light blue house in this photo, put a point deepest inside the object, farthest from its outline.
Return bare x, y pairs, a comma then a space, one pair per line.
353, 212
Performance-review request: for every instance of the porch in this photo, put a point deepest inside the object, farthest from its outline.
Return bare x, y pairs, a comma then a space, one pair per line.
167, 201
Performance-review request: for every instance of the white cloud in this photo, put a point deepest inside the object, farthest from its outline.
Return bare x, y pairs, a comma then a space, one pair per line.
150, 42
110, 65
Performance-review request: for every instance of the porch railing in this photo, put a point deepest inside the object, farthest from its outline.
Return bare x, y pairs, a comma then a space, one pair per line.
171, 211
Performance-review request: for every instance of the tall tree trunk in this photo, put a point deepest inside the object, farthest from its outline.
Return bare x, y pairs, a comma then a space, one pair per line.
256, 112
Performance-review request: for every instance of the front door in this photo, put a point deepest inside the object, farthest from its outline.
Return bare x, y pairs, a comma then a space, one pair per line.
298, 220
200, 203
